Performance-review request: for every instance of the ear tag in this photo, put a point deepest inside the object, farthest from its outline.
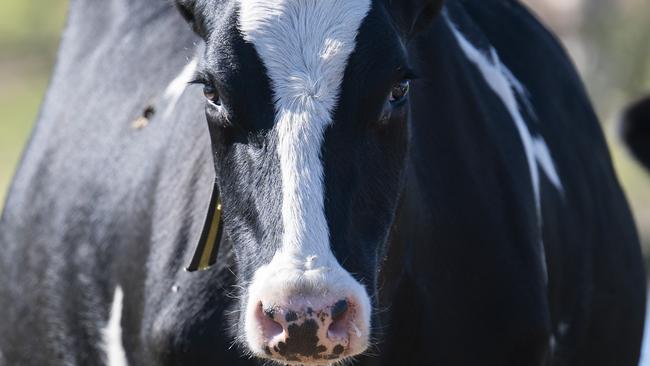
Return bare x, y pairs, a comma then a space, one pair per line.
208, 246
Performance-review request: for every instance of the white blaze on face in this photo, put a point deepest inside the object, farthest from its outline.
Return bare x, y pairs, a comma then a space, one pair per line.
305, 46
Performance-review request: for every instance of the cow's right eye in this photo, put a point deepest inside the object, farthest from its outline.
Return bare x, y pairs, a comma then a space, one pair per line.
209, 90
399, 91
211, 94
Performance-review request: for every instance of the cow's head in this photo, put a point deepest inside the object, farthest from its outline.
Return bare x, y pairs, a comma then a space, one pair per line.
307, 101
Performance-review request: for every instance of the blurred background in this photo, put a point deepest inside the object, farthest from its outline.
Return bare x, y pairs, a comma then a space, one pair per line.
29, 37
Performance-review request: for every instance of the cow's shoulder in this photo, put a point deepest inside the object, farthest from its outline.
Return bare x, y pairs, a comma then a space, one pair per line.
80, 208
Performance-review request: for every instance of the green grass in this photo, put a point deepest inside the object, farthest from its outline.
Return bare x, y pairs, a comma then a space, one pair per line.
29, 33
31, 26
19, 103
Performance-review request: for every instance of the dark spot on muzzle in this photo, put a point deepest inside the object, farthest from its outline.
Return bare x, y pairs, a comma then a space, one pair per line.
291, 316
302, 341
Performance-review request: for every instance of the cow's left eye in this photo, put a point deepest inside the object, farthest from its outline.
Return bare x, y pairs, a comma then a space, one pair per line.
399, 91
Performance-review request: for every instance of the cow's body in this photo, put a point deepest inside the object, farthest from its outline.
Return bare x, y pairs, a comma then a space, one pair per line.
490, 278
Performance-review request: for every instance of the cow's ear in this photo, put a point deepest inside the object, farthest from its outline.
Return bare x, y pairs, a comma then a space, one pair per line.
191, 11
413, 16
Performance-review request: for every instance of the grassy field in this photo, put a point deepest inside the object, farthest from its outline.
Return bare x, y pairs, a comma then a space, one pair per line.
29, 34
30, 30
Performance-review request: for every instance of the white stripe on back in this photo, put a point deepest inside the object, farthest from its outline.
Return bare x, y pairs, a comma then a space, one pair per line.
112, 345
505, 85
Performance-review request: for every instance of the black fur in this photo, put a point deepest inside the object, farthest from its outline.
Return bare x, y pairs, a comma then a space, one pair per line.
431, 209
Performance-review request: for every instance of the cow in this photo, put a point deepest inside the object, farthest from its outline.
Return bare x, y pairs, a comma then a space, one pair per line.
636, 130
315, 182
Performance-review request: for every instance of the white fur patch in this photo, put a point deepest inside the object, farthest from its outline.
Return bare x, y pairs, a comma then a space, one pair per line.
503, 82
305, 45
176, 88
113, 346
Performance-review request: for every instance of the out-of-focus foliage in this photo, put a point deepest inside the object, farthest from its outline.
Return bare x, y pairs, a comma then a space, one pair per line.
616, 34
29, 34
31, 27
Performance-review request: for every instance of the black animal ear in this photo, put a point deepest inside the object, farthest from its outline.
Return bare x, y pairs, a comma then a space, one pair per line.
414, 16
191, 12
636, 130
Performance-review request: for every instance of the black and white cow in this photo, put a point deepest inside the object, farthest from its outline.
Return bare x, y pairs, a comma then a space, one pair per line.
402, 182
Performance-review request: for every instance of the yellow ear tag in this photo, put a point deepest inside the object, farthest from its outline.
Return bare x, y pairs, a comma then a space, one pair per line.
208, 246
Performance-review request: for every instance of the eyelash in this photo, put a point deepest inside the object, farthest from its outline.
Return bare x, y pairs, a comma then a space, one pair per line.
409, 74
199, 80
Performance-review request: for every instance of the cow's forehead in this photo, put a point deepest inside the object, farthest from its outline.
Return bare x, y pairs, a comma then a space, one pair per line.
304, 44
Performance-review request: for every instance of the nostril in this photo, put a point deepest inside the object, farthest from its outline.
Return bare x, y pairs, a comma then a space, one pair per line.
269, 312
341, 317
339, 309
270, 328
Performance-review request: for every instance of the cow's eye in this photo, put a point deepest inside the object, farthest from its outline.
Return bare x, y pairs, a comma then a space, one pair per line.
399, 91
211, 94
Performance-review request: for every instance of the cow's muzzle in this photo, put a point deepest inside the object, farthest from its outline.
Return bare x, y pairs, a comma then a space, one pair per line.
307, 335
314, 317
